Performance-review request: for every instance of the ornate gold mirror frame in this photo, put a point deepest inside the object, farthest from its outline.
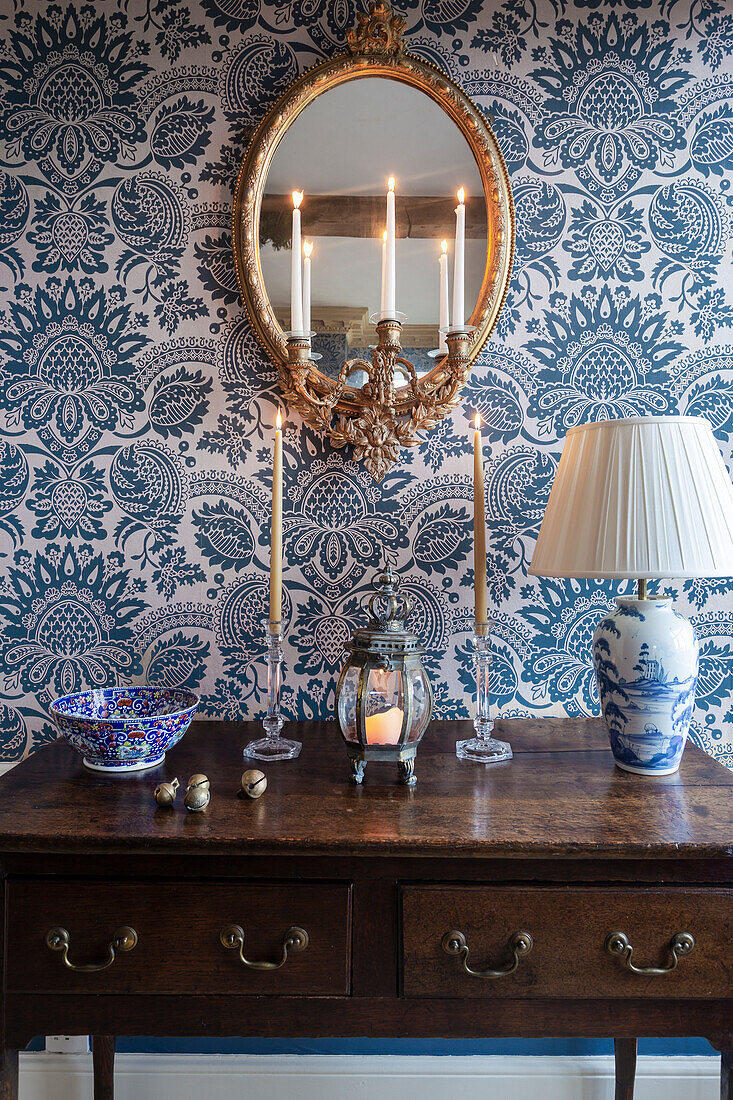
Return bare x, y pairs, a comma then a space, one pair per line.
379, 418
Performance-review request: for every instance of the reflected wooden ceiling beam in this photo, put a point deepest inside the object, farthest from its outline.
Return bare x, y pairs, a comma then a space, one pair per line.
418, 216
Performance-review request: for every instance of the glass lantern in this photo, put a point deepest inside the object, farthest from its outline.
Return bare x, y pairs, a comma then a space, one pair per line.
383, 697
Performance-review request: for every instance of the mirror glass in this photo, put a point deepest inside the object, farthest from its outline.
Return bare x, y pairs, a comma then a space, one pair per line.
340, 152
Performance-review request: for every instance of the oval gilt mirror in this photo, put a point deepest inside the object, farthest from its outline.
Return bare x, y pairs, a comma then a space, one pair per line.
373, 371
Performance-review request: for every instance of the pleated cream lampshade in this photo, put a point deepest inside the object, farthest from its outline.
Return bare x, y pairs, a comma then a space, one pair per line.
644, 497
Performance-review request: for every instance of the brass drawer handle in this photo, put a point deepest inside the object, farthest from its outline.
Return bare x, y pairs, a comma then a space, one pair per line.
295, 939
123, 940
618, 944
454, 943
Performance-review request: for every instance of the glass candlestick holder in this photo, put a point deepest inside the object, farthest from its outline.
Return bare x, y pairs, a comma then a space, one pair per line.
483, 748
272, 746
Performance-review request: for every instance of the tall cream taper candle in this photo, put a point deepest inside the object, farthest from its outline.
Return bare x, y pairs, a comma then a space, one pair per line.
479, 528
276, 529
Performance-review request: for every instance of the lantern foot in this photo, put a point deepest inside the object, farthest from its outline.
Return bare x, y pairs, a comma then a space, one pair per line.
358, 767
406, 770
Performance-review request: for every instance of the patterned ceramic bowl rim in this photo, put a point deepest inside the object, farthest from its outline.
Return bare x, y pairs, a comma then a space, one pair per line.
186, 696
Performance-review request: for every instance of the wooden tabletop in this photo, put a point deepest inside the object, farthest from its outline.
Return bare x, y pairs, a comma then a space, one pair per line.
560, 795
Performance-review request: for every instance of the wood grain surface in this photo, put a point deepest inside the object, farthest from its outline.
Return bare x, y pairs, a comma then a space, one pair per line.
561, 795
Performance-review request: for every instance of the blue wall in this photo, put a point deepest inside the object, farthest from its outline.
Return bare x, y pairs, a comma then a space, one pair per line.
136, 410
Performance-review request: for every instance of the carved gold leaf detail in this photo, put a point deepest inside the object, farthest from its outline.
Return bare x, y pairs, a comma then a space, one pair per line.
378, 30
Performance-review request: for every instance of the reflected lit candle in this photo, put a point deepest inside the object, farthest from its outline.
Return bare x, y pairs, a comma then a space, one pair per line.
276, 529
444, 318
384, 728
389, 265
459, 311
479, 528
296, 285
307, 249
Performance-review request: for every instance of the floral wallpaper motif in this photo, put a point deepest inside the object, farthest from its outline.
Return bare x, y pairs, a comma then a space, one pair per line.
136, 410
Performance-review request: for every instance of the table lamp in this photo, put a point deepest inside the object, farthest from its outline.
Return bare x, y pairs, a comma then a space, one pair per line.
641, 498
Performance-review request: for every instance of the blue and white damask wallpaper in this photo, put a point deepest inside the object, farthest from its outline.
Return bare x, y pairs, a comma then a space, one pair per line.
136, 410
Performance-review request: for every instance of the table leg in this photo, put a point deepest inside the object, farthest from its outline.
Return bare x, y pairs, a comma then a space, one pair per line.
625, 1051
9, 1075
726, 1075
103, 1057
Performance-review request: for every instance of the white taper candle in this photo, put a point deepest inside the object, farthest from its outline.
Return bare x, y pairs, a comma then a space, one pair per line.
459, 311
307, 249
296, 281
389, 267
384, 272
444, 316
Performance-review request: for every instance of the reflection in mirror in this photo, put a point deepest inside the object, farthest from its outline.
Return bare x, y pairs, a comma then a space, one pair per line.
340, 152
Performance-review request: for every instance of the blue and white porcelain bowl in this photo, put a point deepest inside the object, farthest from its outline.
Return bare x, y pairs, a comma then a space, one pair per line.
124, 729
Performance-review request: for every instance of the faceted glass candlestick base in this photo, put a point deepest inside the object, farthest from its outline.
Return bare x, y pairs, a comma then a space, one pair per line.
273, 746
483, 748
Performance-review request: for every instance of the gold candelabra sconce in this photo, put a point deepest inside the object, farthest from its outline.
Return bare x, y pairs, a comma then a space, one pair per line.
389, 410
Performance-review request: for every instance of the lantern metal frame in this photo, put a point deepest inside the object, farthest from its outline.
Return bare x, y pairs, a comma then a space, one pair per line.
384, 645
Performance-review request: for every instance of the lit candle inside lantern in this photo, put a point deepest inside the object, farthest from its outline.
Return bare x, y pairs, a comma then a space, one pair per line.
296, 283
384, 728
389, 265
444, 318
479, 528
276, 530
384, 272
459, 311
307, 249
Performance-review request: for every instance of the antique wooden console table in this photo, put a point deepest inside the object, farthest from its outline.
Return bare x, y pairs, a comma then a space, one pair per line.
549, 896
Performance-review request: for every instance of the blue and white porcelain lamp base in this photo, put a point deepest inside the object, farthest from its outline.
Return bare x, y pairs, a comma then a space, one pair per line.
646, 659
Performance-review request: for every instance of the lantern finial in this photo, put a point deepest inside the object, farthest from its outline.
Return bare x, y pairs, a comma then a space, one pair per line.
387, 608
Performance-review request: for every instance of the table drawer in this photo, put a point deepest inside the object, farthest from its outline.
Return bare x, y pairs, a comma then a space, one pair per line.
178, 928
538, 942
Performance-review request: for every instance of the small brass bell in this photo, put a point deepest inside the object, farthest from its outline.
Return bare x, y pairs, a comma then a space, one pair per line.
165, 793
254, 783
198, 780
197, 798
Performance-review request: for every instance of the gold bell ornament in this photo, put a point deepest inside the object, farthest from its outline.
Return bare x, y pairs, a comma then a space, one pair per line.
198, 793
165, 793
254, 783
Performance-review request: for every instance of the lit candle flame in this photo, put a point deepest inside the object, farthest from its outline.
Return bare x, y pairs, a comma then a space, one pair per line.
297, 198
390, 183
278, 422
307, 249
477, 422
444, 246
384, 236
461, 195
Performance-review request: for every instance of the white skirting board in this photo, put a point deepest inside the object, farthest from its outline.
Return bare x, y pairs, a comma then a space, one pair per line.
342, 1077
